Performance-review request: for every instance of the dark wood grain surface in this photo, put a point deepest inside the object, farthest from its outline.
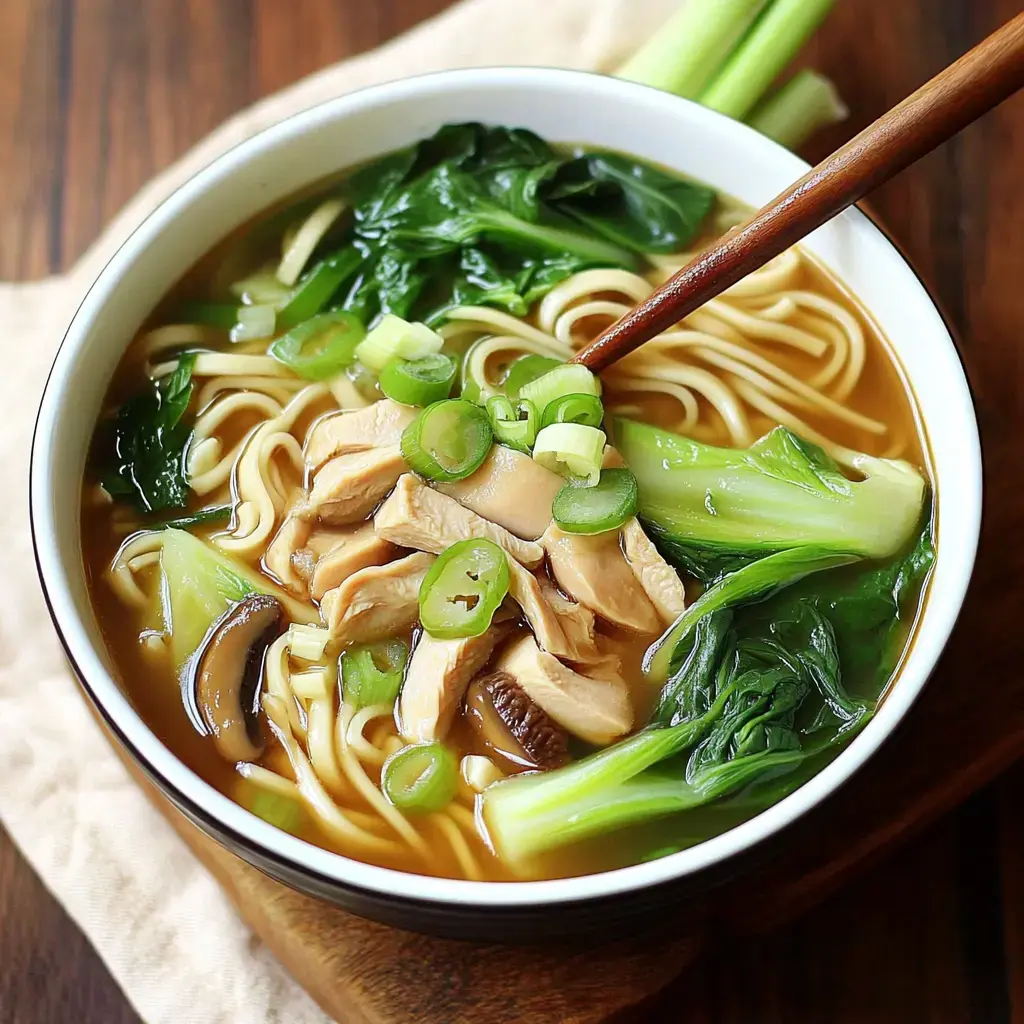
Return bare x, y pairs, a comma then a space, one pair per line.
97, 95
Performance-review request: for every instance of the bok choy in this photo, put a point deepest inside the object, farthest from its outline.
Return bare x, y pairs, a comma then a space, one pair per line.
712, 510
756, 692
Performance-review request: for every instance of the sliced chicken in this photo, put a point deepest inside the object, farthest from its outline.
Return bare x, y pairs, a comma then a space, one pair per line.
377, 426
300, 546
561, 627
594, 707
417, 516
352, 548
575, 621
435, 683
594, 571
509, 489
376, 602
349, 487
660, 581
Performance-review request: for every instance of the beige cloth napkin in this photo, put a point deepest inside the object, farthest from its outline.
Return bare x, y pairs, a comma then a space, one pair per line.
163, 926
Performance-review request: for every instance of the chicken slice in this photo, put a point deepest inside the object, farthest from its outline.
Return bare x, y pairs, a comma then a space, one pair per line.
377, 426
575, 621
417, 516
435, 683
349, 487
509, 489
594, 707
660, 581
561, 627
376, 602
352, 548
593, 570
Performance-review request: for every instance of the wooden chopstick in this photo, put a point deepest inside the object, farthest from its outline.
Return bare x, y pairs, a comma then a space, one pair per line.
981, 79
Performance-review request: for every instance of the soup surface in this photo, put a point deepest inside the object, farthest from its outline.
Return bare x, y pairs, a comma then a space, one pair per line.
374, 562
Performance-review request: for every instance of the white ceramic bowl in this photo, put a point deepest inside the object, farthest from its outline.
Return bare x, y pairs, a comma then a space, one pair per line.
561, 106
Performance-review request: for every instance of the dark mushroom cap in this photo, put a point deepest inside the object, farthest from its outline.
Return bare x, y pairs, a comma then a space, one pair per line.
228, 673
512, 725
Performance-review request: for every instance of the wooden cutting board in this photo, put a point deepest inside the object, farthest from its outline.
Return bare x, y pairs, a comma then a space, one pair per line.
364, 973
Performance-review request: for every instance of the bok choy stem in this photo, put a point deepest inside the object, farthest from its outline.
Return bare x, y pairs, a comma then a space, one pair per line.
688, 50
762, 55
807, 102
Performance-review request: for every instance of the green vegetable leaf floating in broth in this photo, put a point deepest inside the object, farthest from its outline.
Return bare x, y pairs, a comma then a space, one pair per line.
712, 509
630, 203
494, 216
150, 436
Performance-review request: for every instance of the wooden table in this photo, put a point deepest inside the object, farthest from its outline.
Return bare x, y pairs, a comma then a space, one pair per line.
97, 95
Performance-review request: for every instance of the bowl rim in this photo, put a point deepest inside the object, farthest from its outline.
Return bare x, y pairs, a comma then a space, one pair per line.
203, 801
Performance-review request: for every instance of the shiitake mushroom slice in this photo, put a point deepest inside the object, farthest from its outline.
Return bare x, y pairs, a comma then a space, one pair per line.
227, 672
512, 725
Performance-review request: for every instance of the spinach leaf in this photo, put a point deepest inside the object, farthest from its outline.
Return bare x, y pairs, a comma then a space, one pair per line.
490, 215
630, 203
150, 436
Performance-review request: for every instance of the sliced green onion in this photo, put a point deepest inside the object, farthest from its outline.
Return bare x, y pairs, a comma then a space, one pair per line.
585, 409
392, 337
254, 322
572, 450
568, 379
422, 777
420, 381
307, 238
373, 674
321, 347
316, 289
525, 370
463, 588
513, 425
276, 809
223, 315
448, 440
605, 506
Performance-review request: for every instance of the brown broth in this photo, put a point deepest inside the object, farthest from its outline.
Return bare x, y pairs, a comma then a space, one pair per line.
882, 392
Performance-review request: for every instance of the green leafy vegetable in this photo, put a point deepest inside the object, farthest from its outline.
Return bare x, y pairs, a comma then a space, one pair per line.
753, 581
200, 584
758, 695
150, 437
712, 510
631, 204
490, 215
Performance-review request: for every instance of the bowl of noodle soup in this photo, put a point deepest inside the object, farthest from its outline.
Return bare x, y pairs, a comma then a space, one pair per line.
831, 362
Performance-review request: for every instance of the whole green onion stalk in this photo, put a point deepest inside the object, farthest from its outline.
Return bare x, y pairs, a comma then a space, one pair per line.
726, 54
687, 51
805, 104
763, 55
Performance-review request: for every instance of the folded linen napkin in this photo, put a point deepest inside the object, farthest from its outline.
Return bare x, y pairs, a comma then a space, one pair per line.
165, 929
